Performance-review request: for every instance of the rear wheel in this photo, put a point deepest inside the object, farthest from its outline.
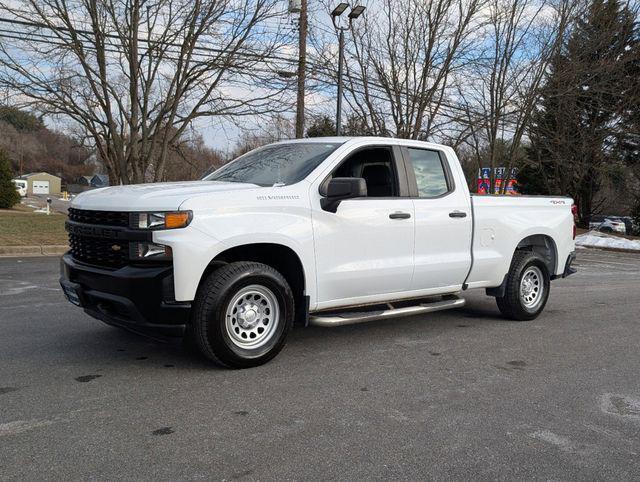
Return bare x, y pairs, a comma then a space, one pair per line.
242, 315
527, 287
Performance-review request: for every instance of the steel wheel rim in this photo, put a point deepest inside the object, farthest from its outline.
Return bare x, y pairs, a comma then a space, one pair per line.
531, 287
252, 317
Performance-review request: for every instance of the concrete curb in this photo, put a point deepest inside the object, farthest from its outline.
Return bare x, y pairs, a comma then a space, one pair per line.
25, 251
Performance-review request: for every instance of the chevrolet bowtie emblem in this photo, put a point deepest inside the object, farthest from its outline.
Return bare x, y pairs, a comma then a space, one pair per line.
116, 247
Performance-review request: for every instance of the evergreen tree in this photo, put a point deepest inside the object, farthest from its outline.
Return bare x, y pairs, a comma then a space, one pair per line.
321, 126
324, 126
576, 134
9, 196
22, 121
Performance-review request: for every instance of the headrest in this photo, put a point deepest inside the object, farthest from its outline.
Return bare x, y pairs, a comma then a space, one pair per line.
376, 174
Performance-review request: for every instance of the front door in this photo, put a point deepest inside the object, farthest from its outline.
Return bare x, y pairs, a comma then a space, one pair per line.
365, 249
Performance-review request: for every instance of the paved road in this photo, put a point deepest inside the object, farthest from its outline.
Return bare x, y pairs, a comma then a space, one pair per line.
458, 394
40, 201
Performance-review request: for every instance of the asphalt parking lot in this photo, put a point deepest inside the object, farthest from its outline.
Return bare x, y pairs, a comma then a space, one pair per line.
460, 394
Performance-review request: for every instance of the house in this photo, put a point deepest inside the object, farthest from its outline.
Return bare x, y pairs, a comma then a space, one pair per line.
97, 180
84, 180
42, 183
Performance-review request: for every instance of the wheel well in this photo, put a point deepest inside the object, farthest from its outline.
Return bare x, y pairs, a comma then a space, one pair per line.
540, 244
280, 257
544, 246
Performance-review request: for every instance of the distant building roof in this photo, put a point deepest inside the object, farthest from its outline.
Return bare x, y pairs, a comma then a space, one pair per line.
31, 174
95, 180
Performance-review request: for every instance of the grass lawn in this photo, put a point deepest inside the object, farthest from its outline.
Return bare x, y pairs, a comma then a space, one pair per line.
19, 227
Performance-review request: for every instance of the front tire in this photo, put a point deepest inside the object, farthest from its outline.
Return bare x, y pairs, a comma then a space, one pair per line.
527, 287
242, 315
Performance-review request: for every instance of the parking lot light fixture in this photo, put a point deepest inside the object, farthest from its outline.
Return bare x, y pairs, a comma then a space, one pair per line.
339, 10
353, 14
356, 12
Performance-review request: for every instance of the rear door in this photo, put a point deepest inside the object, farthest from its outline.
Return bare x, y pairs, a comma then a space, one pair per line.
365, 249
443, 221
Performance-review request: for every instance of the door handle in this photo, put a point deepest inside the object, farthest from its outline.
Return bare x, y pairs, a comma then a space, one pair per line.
399, 215
457, 214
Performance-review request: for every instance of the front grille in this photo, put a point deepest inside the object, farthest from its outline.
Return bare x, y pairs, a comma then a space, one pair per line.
103, 218
99, 251
110, 253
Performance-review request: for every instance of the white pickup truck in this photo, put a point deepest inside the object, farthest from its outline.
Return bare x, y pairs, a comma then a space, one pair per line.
325, 231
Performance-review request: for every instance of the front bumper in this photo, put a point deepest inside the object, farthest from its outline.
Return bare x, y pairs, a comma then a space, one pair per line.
136, 298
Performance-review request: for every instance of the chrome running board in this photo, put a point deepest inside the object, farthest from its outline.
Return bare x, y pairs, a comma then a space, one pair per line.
351, 317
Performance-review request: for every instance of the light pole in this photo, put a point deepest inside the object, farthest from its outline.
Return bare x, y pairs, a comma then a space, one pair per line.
353, 14
302, 69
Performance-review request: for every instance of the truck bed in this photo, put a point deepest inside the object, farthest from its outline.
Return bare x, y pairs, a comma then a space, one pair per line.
500, 223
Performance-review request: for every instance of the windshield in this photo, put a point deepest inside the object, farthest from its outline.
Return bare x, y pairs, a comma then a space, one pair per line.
276, 164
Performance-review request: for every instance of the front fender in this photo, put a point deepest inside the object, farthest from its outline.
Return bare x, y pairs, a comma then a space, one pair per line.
216, 231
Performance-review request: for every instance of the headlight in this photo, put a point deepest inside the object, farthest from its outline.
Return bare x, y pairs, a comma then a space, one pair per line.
161, 220
151, 251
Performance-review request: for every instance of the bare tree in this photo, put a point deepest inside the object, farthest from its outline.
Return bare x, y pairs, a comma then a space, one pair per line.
279, 128
401, 61
501, 87
135, 74
191, 159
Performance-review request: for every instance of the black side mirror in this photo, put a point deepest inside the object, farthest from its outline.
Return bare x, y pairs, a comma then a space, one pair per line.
340, 188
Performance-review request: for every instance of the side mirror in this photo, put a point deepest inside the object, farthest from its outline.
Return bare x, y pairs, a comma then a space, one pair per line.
340, 188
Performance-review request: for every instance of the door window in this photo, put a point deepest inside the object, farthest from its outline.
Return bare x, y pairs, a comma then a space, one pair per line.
430, 173
375, 165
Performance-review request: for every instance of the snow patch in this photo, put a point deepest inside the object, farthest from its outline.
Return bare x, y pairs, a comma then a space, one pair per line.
19, 426
595, 239
562, 443
621, 405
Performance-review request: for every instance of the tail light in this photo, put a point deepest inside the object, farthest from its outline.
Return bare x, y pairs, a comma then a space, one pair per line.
574, 211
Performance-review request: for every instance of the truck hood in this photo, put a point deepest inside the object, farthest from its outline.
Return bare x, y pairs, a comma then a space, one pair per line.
163, 196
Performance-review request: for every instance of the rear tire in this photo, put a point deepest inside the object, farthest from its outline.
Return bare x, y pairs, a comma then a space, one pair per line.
527, 287
242, 315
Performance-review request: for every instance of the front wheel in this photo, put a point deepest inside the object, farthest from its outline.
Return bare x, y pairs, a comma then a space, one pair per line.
242, 315
527, 287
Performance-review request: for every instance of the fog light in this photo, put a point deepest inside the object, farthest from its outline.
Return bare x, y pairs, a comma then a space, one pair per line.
150, 251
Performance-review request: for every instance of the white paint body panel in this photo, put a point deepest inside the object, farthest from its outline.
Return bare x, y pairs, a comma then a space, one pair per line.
503, 221
443, 244
357, 255
361, 252
161, 196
